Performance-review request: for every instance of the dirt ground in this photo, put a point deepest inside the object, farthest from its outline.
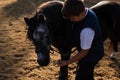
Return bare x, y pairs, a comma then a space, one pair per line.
17, 56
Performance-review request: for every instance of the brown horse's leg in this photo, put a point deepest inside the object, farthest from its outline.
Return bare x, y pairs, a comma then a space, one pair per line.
115, 37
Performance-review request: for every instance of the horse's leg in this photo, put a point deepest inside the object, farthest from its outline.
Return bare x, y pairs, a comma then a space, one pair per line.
65, 55
114, 38
115, 47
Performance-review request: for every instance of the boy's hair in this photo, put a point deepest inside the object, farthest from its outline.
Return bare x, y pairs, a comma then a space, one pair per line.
73, 8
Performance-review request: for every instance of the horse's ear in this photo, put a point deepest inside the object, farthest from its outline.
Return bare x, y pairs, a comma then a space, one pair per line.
41, 18
27, 20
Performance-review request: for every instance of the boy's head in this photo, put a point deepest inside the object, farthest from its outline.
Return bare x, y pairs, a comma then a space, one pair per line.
73, 8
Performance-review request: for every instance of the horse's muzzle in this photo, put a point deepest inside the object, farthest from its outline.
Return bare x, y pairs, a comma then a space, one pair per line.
43, 59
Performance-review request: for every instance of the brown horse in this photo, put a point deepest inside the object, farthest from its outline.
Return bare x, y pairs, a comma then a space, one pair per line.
108, 13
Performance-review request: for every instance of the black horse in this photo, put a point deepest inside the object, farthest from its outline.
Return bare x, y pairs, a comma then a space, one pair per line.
47, 27
108, 13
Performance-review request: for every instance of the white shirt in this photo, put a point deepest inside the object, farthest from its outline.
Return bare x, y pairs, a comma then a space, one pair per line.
86, 38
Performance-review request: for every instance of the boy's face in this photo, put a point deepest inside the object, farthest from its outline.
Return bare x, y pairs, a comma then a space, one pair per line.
77, 18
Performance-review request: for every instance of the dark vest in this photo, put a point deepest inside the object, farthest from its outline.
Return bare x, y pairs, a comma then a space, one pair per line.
96, 51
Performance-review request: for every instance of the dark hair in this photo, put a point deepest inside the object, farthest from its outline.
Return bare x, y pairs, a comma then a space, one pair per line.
72, 8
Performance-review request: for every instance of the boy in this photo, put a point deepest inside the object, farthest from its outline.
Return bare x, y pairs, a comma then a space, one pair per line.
87, 38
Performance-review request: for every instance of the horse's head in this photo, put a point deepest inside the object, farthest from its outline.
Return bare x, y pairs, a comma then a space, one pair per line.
38, 33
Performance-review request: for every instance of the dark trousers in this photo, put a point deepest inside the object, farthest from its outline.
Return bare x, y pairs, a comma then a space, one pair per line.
85, 71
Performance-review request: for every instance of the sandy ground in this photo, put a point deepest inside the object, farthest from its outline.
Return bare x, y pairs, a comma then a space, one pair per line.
17, 56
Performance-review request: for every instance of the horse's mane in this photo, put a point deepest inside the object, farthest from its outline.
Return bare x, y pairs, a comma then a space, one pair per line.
40, 10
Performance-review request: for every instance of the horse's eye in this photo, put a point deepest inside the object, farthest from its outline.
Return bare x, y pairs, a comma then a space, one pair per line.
36, 36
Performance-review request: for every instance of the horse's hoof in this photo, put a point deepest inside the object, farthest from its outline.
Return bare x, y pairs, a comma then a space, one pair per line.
113, 56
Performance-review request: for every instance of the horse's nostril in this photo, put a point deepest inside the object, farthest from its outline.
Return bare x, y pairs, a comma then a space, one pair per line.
40, 56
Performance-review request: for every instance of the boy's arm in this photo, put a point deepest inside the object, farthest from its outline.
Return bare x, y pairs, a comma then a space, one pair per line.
75, 58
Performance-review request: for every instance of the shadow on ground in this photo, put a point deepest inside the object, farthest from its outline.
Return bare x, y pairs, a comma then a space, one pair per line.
21, 7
